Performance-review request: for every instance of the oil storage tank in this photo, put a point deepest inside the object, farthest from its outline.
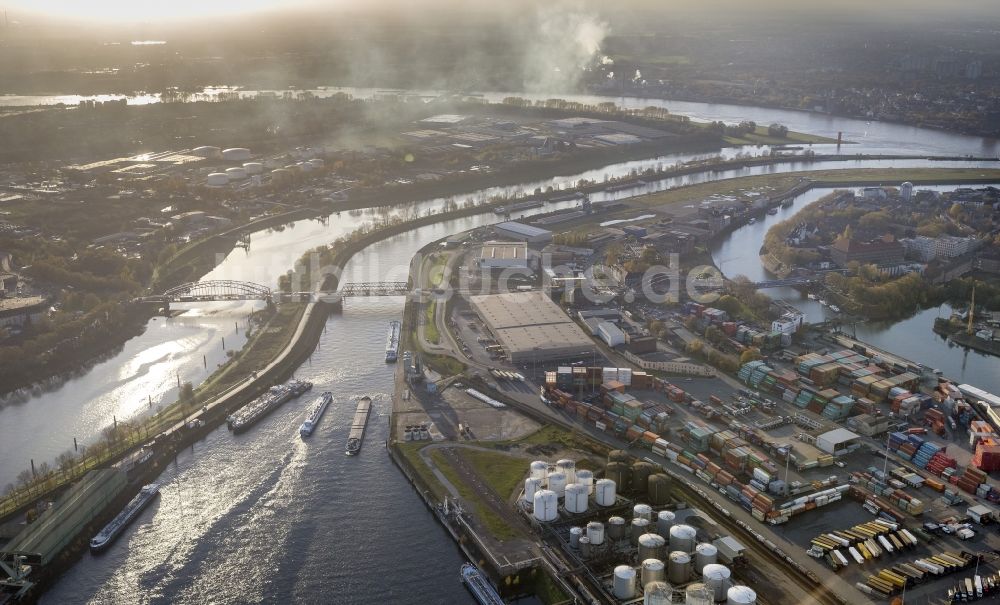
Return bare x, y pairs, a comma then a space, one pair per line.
698, 594
640, 475
585, 547
595, 531
618, 456
557, 483
236, 154
652, 570
678, 567
657, 593
718, 578
658, 489
575, 533
651, 546
623, 585
616, 528
254, 167
705, 554
531, 485
642, 511
546, 506
236, 173
741, 595
217, 179
568, 468
620, 473
664, 521
682, 538
539, 469
639, 527
585, 477
576, 498
605, 492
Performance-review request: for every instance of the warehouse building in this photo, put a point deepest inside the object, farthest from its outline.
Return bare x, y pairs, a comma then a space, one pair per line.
838, 442
530, 327
522, 233
504, 255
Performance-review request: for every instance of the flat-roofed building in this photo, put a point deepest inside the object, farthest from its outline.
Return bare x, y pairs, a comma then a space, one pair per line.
530, 327
521, 232
504, 255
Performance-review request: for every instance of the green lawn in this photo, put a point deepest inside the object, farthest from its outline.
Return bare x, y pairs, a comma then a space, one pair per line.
760, 137
497, 527
430, 326
410, 451
503, 473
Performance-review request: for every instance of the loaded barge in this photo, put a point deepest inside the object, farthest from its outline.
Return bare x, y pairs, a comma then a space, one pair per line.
479, 586
392, 342
310, 423
358, 426
246, 416
112, 530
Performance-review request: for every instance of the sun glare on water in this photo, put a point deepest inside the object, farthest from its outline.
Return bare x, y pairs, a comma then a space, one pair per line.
147, 10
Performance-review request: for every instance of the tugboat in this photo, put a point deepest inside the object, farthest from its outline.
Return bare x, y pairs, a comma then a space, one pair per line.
112, 530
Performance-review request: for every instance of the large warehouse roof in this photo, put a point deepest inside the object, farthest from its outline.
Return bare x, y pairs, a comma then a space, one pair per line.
530, 326
522, 229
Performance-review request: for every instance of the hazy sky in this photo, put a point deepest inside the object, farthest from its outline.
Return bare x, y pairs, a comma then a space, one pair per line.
157, 10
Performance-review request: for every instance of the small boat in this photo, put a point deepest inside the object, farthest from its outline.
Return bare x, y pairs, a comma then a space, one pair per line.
824, 303
811, 296
835, 308
310, 423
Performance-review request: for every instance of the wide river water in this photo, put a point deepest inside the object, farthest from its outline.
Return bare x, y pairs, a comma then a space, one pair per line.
268, 517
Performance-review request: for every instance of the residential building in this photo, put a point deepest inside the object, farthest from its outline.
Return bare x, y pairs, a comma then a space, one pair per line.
883, 251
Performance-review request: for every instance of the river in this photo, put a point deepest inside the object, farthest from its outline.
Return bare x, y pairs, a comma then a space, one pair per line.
266, 514
912, 338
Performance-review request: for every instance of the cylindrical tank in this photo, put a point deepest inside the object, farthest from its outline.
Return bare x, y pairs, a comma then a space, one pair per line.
316, 162
705, 554
236, 173
236, 153
657, 593
640, 475
741, 595
616, 528
658, 488
623, 585
664, 521
585, 547
595, 531
546, 505
576, 498
651, 546
618, 456
718, 579
253, 167
207, 151
604, 492
217, 179
642, 511
568, 468
653, 570
698, 594
620, 473
678, 567
557, 483
585, 477
575, 533
281, 176
682, 538
539, 469
531, 485
639, 527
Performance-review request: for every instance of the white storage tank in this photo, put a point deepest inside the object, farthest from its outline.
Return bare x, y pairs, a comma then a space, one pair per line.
237, 173
254, 167
698, 594
575, 533
623, 585
595, 531
604, 492
568, 468
585, 547
678, 567
664, 521
315, 163
236, 154
642, 511
682, 538
741, 595
217, 179
207, 151
705, 554
616, 528
657, 593
546, 505
653, 570
305, 166
557, 483
531, 485
718, 579
539, 469
639, 527
651, 546
585, 477
576, 498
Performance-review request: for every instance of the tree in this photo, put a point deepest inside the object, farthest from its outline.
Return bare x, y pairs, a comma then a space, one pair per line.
777, 130
751, 354
695, 347
187, 393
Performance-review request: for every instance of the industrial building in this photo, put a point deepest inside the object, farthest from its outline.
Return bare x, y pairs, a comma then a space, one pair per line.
523, 233
530, 327
838, 442
504, 255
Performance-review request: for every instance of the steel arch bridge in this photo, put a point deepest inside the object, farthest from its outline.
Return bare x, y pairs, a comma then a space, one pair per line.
384, 288
223, 289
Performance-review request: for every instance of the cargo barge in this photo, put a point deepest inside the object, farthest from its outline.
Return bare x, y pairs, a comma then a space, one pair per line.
358, 426
245, 417
310, 423
392, 342
112, 530
479, 586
